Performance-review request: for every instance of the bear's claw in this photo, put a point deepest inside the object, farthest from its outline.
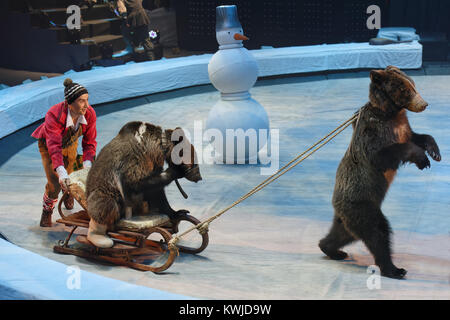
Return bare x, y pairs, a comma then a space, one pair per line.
423, 163
397, 273
434, 153
338, 255
332, 254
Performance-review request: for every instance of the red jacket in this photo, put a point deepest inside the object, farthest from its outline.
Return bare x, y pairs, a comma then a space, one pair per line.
54, 128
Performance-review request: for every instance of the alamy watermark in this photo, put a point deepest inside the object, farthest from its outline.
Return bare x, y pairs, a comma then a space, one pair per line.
211, 144
374, 280
374, 21
74, 279
74, 19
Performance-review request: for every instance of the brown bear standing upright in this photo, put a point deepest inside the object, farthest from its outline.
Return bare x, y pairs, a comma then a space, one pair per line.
382, 141
129, 169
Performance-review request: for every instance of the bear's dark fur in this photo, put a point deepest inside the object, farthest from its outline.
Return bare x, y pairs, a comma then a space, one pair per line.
382, 141
129, 170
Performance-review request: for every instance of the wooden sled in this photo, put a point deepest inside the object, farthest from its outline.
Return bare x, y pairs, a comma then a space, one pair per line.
135, 245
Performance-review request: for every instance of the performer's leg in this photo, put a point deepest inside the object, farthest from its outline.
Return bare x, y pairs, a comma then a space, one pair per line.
143, 38
149, 49
125, 31
52, 188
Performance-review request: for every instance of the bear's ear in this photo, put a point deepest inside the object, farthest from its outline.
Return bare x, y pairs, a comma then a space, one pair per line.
377, 76
392, 68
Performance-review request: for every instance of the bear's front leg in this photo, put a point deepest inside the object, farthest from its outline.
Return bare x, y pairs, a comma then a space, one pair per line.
158, 180
416, 155
159, 203
392, 156
428, 143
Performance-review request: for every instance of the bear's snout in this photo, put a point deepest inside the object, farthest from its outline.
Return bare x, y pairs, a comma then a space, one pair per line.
417, 104
193, 174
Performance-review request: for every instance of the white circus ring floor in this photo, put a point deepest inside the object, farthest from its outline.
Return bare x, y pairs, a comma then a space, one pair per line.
266, 247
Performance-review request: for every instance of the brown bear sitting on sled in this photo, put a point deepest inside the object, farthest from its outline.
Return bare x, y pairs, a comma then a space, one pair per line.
129, 170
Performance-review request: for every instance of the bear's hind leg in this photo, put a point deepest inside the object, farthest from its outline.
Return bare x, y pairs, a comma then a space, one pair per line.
336, 239
103, 208
367, 222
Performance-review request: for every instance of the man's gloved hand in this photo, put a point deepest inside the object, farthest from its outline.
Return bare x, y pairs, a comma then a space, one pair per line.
87, 164
63, 177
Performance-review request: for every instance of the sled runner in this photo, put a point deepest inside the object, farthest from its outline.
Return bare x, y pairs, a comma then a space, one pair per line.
140, 242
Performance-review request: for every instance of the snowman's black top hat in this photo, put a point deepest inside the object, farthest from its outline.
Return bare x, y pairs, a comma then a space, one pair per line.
227, 18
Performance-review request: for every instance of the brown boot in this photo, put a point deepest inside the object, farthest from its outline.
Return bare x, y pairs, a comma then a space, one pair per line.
68, 202
46, 219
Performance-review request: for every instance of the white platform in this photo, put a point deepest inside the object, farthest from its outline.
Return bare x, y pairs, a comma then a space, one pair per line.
27, 103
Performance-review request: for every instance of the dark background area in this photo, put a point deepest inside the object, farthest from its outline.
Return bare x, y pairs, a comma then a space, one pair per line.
281, 23
29, 45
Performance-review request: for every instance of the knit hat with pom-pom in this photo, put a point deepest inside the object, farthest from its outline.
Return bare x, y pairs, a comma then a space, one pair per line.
73, 90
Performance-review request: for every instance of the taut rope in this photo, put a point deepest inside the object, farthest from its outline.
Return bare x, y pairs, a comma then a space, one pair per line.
203, 226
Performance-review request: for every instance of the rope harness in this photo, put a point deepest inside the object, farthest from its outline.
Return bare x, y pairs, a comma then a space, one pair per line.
203, 227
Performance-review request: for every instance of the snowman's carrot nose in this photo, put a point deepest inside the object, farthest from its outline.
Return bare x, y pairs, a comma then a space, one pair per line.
238, 36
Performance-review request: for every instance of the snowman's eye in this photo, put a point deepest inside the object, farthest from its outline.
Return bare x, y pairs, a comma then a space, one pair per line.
229, 32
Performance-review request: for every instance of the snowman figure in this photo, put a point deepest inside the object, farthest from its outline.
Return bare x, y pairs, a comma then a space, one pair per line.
233, 71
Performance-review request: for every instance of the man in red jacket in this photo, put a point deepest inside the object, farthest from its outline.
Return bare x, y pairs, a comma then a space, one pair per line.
58, 137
